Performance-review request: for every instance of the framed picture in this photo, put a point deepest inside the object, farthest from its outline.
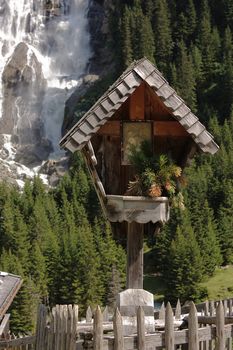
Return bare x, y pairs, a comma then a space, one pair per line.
133, 134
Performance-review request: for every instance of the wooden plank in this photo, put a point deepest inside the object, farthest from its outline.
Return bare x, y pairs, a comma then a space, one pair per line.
4, 325
135, 255
88, 314
141, 328
230, 307
212, 319
193, 342
110, 128
178, 310
105, 315
17, 342
162, 312
137, 104
118, 331
169, 128
220, 341
169, 328
98, 330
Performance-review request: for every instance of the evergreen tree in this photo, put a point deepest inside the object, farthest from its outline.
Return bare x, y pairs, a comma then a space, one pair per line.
185, 78
163, 38
184, 268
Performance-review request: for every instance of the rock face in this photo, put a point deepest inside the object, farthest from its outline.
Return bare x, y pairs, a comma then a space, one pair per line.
101, 62
23, 92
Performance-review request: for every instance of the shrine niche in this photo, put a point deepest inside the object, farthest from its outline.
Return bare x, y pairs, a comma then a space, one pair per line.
140, 106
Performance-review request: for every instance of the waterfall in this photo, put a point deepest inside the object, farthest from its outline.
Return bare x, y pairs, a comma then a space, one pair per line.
44, 51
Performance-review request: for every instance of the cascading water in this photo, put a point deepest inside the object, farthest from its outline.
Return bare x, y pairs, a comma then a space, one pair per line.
44, 51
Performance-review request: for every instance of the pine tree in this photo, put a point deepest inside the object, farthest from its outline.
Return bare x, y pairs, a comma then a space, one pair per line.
184, 269
163, 38
127, 50
185, 81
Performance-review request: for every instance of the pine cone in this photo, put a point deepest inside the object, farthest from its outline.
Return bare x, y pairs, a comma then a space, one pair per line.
178, 171
155, 191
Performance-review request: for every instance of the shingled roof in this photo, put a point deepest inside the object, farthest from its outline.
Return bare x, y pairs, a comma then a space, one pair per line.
9, 286
118, 93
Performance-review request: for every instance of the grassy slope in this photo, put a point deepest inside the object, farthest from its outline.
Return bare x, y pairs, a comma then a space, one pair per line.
219, 286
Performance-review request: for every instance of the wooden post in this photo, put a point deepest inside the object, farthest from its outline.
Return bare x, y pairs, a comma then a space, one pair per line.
135, 256
193, 328
98, 330
220, 343
141, 329
178, 310
169, 328
118, 331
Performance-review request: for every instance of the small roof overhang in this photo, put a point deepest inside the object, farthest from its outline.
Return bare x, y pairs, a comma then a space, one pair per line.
9, 286
118, 93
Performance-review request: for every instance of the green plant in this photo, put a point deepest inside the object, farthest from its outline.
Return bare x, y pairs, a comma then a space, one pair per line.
156, 175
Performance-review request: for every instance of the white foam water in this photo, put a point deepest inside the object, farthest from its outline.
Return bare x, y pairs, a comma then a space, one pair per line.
59, 39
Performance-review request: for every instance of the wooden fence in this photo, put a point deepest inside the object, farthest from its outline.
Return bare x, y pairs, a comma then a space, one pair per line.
211, 328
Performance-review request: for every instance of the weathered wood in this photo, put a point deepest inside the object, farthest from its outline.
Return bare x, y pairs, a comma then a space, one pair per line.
88, 314
212, 308
212, 319
169, 328
230, 307
193, 340
98, 330
4, 325
105, 314
220, 341
137, 104
118, 331
135, 255
162, 312
9, 344
141, 329
41, 325
178, 310
169, 128
206, 308
111, 128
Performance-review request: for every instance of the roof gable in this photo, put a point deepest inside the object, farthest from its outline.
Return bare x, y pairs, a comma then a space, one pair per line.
118, 93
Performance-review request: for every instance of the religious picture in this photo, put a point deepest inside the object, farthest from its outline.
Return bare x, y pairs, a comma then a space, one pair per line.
133, 135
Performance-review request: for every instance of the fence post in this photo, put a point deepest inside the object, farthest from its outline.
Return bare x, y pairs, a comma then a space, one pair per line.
141, 328
230, 307
98, 330
105, 314
169, 328
193, 328
220, 341
178, 310
88, 315
118, 331
40, 327
162, 312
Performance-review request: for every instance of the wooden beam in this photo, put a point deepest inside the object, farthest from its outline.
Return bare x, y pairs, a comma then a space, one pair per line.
169, 128
111, 128
137, 104
135, 255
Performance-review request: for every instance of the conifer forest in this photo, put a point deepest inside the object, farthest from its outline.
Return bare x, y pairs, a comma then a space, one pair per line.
58, 239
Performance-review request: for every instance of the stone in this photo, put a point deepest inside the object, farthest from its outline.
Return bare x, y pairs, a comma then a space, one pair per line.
128, 302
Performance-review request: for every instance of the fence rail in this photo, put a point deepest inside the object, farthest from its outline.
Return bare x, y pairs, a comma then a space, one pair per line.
209, 328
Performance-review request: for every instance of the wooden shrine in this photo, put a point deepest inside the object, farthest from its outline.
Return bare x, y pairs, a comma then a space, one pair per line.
139, 106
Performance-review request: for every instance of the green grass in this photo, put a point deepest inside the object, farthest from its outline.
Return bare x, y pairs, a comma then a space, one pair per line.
220, 286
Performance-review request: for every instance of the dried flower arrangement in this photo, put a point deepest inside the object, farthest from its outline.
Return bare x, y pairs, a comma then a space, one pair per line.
156, 176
